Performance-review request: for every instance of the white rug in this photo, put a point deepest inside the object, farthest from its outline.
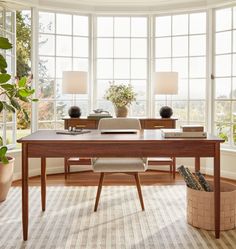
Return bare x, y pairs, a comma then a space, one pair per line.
69, 220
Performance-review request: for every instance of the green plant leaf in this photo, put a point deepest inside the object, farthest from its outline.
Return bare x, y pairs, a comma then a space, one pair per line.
4, 160
3, 64
1, 106
4, 43
25, 92
26, 115
3, 151
34, 100
7, 86
8, 107
15, 103
22, 81
4, 77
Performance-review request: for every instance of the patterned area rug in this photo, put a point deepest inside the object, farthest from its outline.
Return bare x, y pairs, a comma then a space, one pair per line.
69, 221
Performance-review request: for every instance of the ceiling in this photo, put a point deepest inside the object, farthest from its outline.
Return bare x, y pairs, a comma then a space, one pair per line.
116, 5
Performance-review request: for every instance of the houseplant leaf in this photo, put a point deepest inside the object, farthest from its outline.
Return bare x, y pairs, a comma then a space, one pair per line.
4, 43
3, 151
22, 82
4, 77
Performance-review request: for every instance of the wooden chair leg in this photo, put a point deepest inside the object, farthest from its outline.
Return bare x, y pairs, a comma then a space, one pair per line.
174, 166
137, 180
99, 191
65, 167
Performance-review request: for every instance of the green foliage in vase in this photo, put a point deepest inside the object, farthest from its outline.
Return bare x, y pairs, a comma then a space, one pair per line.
12, 93
120, 94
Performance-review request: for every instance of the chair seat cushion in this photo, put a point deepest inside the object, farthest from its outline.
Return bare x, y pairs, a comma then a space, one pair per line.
102, 164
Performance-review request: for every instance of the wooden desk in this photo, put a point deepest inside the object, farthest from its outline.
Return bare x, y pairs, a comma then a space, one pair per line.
146, 123
147, 143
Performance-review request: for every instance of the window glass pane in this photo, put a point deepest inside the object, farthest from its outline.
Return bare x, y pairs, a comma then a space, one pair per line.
222, 109
138, 109
197, 111
63, 64
80, 64
234, 41
197, 22
105, 26
46, 44
234, 88
163, 47
140, 87
197, 45
197, 88
234, 64
222, 130
138, 26
182, 90
163, 26
180, 24
121, 48
9, 21
163, 65
46, 22
180, 109
197, 67
102, 86
180, 46
62, 108
46, 89
223, 88
234, 113
223, 19
180, 65
80, 46
223, 65
122, 26
63, 45
59, 94
9, 134
138, 48
45, 110
138, 69
121, 69
223, 42
80, 25
63, 24
105, 47
46, 125
104, 68
234, 11
46, 67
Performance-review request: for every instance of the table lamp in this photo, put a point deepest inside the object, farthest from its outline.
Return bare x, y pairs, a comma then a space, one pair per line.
74, 82
166, 83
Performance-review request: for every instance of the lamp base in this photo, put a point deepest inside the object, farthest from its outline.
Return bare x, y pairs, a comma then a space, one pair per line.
166, 112
74, 112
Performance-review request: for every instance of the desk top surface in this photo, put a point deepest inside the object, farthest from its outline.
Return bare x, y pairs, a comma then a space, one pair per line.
96, 136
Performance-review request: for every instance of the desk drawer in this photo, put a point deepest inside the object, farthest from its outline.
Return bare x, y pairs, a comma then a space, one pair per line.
81, 123
159, 124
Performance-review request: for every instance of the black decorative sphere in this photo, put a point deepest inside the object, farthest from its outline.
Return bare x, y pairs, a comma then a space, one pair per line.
166, 112
74, 112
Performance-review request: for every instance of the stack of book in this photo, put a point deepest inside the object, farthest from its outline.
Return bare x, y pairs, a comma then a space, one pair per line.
186, 131
99, 115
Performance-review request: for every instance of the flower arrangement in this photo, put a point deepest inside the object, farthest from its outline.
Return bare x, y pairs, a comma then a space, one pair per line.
120, 94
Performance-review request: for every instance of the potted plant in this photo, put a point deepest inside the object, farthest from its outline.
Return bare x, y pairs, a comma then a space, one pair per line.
121, 96
11, 95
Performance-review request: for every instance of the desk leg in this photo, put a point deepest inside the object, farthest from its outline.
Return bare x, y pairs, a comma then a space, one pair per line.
43, 183
197, 164
24, 155
217, 189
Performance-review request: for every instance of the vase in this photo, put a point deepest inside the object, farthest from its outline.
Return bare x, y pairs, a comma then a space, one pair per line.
121, 111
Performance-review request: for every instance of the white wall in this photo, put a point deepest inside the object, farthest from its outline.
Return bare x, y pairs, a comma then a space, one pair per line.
228, 165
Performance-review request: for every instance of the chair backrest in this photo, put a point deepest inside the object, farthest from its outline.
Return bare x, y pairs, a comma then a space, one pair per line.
119, 123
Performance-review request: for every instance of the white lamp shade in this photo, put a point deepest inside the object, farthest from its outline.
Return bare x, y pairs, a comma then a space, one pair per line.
74, 82
166, 83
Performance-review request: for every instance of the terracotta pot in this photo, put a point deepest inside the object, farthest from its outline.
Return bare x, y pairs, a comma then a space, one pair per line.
121, 111
6, 174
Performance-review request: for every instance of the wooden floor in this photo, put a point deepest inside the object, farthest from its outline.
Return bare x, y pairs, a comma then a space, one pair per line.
89, 178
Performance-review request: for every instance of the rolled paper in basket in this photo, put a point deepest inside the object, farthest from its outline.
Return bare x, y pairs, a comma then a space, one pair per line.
188, 178
203, 182
195, 180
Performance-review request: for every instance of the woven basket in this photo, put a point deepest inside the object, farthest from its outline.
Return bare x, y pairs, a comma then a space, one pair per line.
200, 208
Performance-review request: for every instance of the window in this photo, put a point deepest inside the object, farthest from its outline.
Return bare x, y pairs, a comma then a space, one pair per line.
225, 75
8, 120
63, 46
180, 45
121, 45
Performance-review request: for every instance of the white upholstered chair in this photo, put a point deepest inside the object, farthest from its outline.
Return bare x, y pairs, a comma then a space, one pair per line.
131, 166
